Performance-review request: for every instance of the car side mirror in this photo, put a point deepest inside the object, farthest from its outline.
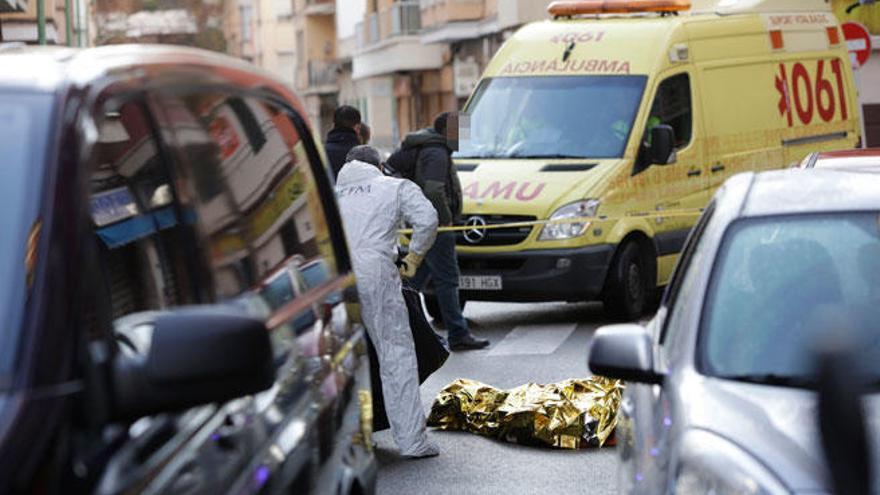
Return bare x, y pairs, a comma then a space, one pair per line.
624, 352
663, 145
194, 356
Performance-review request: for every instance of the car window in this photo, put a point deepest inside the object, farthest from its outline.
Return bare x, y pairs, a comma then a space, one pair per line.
136, 225
246, 179
573, 116
24, 118
684, 277
672, 107
781, 283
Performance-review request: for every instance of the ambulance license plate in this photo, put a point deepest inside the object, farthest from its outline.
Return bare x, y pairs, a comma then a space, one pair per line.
470, 282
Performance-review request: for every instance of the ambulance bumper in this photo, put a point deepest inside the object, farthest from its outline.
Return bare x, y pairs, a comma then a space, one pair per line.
540, 275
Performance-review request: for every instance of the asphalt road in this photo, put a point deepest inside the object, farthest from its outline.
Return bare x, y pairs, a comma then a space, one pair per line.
539, 343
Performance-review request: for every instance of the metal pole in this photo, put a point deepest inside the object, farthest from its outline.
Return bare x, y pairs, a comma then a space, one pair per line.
862, 109
41, 22
88, 23
79, 38
68, 24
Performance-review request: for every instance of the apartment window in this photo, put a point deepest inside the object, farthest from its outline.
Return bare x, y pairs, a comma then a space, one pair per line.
300, 49
283, 9
287, 67
246, 21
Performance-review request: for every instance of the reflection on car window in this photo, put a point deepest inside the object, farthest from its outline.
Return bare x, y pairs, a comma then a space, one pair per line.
315, 273
246, 179
684, 281
134, 220
279, 290
254, 194
26, 121
781, 283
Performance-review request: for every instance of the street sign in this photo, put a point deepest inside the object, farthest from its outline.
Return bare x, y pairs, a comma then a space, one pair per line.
858, 41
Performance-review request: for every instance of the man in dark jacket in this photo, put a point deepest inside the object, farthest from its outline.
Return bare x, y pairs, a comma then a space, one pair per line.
435, 174
343, 137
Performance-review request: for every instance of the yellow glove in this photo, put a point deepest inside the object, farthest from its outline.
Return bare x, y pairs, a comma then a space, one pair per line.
410, 265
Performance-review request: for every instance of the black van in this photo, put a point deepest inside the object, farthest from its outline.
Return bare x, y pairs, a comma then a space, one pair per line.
149, 199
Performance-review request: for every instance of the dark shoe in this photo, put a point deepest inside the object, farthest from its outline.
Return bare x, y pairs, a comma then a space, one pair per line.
469, 343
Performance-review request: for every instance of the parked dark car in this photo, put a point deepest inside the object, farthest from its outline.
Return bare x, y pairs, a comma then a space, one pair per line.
149, 199
721, 383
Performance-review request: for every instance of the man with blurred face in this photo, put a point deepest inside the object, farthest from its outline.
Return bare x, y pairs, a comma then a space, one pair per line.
436, 175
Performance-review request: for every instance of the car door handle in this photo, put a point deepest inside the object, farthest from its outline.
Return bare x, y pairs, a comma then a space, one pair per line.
694, 172
717, 168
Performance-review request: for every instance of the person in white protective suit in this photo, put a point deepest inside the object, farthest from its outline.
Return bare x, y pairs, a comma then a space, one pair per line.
372, 207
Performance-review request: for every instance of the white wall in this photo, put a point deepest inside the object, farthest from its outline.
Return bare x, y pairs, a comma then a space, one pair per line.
349, 13
869, 75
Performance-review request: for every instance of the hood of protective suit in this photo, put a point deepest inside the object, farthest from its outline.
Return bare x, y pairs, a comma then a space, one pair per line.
357, 171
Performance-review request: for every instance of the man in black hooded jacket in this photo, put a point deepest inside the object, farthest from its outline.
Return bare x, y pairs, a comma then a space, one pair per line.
343, 137
435, 174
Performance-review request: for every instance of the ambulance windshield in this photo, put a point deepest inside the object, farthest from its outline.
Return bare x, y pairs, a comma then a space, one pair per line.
551, 117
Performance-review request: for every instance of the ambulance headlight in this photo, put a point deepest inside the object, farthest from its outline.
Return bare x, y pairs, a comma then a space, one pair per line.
564, 221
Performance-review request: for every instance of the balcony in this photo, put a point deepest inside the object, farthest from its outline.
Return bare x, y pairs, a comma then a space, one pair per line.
448, 21
513, 13
388, 41
406, 18
436, 13
402, 19
320, 7
323, 77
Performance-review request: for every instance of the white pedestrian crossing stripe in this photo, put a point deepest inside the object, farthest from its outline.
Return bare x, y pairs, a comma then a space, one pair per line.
533, 339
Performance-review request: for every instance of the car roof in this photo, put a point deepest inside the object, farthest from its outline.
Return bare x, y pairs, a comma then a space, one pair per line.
49, 67
846, 159
43, 66
796, 191
875, 152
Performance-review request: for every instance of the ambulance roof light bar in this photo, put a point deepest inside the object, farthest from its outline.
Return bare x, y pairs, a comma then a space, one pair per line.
571, 8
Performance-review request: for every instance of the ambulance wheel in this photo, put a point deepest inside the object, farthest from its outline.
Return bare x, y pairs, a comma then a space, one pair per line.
629, 285
432, 305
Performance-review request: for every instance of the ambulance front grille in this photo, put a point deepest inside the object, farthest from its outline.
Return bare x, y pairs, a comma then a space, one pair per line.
494, 237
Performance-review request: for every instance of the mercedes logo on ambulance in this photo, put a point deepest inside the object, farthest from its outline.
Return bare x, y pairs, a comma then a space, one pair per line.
476, 229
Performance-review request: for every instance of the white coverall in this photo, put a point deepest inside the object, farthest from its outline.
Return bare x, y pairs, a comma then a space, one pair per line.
372, 207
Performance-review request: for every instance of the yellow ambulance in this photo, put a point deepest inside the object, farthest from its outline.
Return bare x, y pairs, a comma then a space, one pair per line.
633, 112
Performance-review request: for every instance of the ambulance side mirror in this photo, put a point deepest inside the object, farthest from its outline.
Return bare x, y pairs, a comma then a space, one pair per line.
662, 145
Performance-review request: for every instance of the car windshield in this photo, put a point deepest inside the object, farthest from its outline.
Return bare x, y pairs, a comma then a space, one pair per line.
23, 142
780, 285
551, 117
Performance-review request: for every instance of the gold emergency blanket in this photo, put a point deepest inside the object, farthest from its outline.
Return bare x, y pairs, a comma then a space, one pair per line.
568, 415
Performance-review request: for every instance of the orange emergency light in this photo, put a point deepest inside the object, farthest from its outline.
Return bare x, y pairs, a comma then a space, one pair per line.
569, 8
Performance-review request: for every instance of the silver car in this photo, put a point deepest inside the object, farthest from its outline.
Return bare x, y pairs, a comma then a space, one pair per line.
718, 398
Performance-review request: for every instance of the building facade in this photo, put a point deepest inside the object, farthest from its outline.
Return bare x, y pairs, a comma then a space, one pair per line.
868, 76
263, 32
317, 65
181, 22
413, 59
66, 22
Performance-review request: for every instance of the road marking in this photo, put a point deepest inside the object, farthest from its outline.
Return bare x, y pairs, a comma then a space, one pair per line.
533, 339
